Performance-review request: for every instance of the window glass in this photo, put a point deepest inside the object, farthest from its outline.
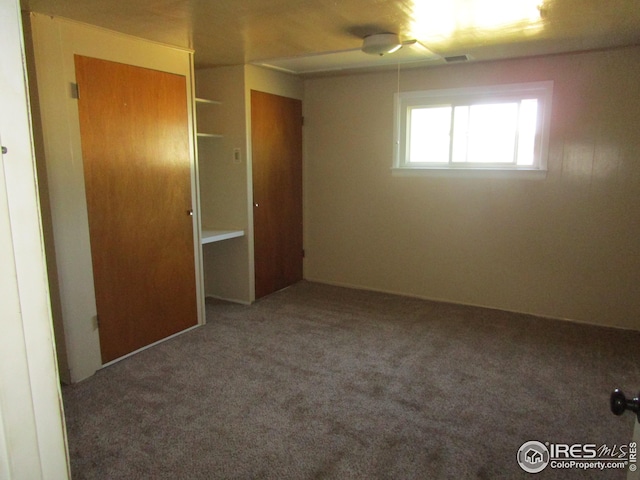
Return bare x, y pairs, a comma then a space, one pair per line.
495, 127
429, 137
527, 131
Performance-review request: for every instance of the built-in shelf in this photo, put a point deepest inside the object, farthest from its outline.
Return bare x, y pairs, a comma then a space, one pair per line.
209, 135
206, 101
210, 236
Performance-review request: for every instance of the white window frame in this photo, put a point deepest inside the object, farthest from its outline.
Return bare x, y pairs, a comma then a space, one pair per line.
405, 101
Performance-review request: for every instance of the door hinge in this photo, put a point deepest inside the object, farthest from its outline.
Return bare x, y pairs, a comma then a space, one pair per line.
75, 91
303, 253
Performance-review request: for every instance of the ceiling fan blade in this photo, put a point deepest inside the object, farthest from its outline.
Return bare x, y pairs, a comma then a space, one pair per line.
411, 53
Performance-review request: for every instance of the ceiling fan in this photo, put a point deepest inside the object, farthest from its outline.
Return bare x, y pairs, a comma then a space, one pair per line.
381, 43
378, 49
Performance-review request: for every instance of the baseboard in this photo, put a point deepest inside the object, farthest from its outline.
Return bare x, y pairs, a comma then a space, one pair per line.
452, 302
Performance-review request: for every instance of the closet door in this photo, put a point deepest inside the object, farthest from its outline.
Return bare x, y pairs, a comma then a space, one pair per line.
137, 169
276, 137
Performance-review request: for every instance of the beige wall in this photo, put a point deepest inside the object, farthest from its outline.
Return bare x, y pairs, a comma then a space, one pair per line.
55, 41
276, 83
226, 192
223, 182
567, 246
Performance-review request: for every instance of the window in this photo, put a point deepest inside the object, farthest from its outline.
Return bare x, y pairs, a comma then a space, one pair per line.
487, 129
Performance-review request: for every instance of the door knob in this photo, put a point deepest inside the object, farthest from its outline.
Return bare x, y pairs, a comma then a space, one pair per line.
620, 403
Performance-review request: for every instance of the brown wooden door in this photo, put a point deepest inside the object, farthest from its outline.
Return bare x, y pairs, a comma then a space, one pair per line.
135, 148
276, 136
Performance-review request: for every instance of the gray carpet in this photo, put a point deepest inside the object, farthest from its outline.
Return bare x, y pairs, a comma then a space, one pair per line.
325, 382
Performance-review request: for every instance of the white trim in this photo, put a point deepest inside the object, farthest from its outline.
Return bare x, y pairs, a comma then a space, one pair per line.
32, 436
195, 192
528, 173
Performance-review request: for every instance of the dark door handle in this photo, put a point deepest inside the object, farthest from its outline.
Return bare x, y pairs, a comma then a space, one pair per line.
620, 403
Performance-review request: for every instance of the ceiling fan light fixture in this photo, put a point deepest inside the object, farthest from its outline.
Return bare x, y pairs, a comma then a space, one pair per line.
381, 44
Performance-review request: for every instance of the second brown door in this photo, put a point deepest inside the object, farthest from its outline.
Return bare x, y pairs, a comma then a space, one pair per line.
276, 136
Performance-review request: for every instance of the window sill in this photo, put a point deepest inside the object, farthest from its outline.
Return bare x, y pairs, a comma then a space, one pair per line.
533, 173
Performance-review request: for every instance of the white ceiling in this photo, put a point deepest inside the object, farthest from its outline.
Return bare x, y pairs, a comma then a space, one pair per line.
289, 34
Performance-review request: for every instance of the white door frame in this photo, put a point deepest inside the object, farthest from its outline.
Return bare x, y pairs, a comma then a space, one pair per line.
32, 436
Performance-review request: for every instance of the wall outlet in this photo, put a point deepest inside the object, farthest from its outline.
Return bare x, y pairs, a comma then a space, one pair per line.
237, 156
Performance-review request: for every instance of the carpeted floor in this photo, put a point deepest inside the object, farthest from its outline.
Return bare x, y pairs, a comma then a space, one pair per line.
326, 382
